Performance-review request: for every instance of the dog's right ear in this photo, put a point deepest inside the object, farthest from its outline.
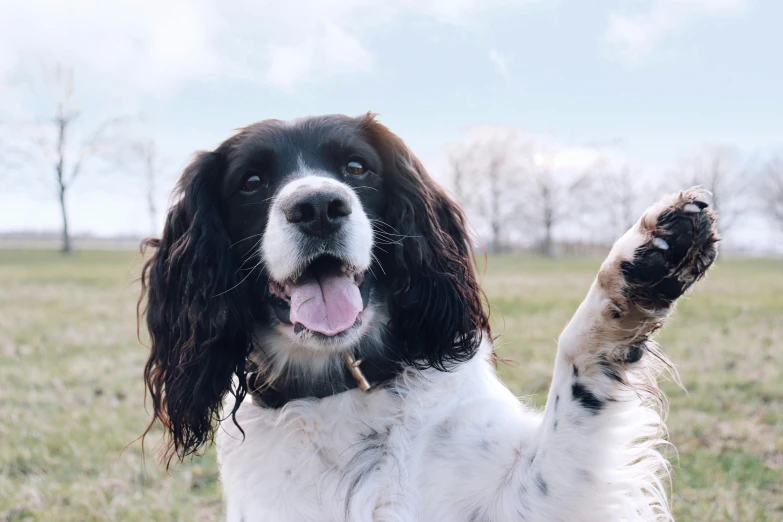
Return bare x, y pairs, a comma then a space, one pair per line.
196, 313
436, 305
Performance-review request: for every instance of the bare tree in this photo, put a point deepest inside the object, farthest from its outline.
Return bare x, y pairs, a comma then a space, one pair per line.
771, 190
54, 139
458, 161
148, 159
621, 194
496, 176
718, 170
512, 183
482, 172
551, 196
621, 191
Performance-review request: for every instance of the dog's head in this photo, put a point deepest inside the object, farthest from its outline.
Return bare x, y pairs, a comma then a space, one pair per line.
291, 243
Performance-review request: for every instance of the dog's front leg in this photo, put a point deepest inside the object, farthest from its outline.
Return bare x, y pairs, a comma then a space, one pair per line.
595, 457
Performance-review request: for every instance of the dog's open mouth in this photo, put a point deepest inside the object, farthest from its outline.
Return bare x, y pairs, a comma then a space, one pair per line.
328, 298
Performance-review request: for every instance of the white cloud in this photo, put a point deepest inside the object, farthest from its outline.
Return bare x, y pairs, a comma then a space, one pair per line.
329, 50
124, 47
635, 36
458, 11
153, 47
500, 62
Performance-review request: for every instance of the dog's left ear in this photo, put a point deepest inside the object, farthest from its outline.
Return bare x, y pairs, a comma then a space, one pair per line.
436, 306
196, 313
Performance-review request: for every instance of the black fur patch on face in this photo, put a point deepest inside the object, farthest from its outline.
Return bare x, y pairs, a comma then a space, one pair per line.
586, 398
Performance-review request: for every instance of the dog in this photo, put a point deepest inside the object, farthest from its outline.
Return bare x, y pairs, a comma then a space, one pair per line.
313, 309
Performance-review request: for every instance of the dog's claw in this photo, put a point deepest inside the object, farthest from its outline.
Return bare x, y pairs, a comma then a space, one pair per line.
661, 243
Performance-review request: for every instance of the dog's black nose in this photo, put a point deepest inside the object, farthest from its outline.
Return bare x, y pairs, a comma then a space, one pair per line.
318, 213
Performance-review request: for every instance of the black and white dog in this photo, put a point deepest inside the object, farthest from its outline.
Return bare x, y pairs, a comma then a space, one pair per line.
315, 266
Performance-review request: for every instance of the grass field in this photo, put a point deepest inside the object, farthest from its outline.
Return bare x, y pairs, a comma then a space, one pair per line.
71, 399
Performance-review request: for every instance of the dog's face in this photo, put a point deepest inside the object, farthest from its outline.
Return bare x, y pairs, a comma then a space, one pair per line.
302, 202
297, 241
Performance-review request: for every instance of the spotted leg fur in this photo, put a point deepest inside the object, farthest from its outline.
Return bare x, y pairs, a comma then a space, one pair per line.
604, 410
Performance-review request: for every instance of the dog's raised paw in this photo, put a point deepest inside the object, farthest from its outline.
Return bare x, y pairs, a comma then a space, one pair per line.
678, 245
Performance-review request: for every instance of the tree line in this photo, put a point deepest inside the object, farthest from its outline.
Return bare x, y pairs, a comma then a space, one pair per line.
518, 190
521, 191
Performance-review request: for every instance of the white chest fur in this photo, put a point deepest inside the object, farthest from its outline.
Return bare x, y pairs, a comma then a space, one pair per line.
452, 446
373, 456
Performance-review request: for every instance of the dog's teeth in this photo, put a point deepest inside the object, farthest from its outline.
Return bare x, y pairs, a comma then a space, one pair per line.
691, 208
660, 243
287, 290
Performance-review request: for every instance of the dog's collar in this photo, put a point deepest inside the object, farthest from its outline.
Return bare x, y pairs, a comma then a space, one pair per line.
368, 373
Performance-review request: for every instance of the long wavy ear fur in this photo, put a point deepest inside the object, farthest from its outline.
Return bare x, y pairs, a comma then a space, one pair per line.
436, 306
196, 314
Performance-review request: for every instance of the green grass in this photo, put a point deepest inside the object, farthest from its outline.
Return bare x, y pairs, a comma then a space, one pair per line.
71, 398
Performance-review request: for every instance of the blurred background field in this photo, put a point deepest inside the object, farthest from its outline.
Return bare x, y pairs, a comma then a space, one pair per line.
71, 396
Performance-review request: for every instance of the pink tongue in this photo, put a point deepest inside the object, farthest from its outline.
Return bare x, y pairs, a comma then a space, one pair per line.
328, 304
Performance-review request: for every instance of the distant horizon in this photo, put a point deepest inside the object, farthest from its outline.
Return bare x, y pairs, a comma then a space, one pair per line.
52, 241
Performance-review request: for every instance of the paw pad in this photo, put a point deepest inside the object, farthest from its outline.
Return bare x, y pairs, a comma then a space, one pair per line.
680, 249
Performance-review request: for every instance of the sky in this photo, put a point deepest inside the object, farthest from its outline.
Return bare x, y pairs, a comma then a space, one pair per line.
647, 81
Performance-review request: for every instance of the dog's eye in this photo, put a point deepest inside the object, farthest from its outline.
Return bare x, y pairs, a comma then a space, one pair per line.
252, 183
354, 168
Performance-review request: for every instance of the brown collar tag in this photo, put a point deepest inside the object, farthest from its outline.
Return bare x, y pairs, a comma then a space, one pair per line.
356, 371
